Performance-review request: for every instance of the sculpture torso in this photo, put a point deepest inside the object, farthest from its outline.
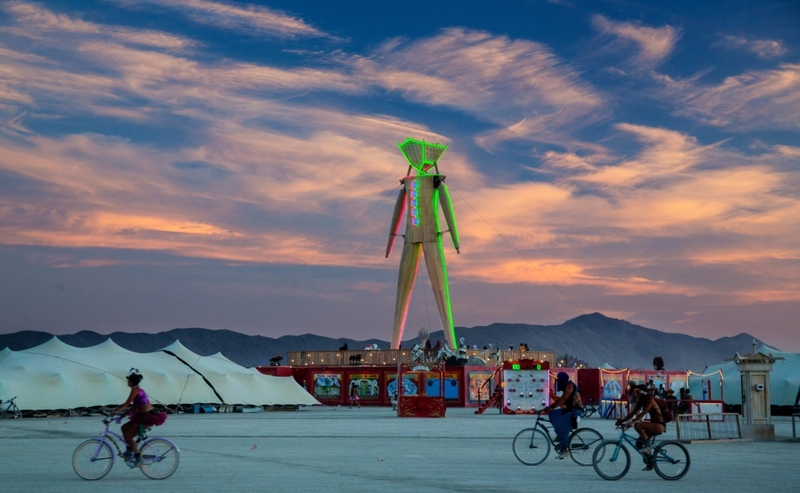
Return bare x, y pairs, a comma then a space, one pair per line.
422, 221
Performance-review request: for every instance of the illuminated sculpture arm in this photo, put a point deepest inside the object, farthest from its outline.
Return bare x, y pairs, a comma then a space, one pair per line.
399, 209
449, 216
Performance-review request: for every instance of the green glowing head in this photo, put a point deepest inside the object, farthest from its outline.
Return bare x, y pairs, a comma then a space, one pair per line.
421, 155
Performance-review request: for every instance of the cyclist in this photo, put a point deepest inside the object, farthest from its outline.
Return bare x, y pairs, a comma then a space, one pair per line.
141, 413
645, 404
561, 418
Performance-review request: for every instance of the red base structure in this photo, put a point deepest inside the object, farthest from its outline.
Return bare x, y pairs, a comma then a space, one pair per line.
420, 406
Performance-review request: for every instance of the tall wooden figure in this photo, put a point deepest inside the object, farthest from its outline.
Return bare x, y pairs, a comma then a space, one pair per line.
421, 193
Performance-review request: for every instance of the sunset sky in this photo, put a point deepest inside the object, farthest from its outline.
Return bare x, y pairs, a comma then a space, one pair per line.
227, 165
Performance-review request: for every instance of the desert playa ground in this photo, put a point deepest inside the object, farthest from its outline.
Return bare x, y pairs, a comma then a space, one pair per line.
370, 449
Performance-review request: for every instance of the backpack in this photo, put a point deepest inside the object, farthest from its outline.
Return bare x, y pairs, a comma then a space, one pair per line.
666, 410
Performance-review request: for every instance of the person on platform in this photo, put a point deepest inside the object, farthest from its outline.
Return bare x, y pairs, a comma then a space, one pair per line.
561, 417
629, 394
141, 413
672, 401
684, 404
645, 405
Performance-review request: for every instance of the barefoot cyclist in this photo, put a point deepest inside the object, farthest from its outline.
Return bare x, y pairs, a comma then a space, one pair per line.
645, 405
141, 413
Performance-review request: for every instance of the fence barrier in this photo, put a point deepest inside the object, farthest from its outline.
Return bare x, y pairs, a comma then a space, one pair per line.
708, 426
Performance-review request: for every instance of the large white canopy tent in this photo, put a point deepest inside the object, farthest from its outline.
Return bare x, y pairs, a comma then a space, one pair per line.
55, 375
784, 379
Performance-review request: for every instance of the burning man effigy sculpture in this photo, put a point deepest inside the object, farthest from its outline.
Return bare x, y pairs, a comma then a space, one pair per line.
421, 194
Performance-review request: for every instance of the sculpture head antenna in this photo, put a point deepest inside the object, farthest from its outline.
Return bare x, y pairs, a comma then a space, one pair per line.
421, 155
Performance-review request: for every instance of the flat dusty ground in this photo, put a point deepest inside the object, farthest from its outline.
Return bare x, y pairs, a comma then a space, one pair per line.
371, 450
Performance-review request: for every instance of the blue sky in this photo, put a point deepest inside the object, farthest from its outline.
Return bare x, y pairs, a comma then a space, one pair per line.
198, 163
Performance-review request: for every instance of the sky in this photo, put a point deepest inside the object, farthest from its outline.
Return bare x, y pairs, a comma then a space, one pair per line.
232, 165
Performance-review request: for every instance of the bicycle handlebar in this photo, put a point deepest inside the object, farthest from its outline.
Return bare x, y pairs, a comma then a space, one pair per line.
108, 419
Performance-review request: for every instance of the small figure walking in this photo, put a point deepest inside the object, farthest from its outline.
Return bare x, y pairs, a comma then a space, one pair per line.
354, 395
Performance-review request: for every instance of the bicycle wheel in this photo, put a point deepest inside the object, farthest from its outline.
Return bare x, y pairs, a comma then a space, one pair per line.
531, 446
671, 460
160, 458
88, 466
611, 460
588, 410
582, 443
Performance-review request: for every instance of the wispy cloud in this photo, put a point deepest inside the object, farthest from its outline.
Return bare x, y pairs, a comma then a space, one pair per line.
518, 84
605, 214
233, 161
652, 45
755, 99
46, 21
763, 48
250, 20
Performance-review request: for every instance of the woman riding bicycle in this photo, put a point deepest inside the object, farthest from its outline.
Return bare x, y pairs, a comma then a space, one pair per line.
645, 404
141, 413
561, 419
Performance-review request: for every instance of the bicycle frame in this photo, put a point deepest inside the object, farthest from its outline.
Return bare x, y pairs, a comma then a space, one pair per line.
158, 457
625, 438
10, 406
631, 441
104, 438
108, 436
612, 459
532, 445
542, 424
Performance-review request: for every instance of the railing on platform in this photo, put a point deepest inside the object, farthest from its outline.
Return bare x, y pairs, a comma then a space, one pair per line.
708, 426
391, 357
496, 380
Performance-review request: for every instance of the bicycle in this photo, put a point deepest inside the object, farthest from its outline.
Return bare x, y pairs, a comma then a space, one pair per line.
94, 458
588, 410
611, 459
10, 406
532, 445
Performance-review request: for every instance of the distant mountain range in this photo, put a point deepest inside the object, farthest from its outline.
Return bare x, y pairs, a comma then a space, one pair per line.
594, 338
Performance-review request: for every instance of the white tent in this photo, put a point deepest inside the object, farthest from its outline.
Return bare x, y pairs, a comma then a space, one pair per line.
784, 379
55, 375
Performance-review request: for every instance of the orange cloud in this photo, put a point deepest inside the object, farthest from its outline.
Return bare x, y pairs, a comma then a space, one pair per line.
654, 44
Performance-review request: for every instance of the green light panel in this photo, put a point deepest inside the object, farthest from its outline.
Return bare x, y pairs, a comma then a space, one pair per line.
413, 152
420, 154
432, 154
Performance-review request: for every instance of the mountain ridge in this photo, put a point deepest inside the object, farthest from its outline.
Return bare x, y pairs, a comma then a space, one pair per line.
594, 338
